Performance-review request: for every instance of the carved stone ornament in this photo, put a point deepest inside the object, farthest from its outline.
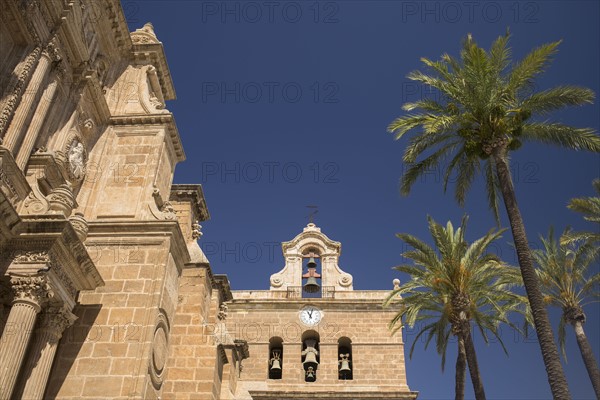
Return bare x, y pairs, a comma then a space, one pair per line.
156, 103
34, 204
61, 200
30, 257
35, 288
56, 320
276, 280
77, 159
345, 280
168, 211
17, 88
196, 230
80, 225
222, 315
164, 209
52, 50
160, 347
67, 283
145, 35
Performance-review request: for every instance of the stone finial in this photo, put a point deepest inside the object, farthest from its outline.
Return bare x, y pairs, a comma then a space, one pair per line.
149, 28
396, 283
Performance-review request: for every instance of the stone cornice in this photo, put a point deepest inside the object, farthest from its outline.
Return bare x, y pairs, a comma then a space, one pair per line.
195, 195
278, 304
154, 119
323, 393
119, 26
54, 235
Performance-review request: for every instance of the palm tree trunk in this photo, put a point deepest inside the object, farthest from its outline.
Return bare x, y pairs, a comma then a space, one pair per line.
554, 370
588, 357
473, 365
461, 369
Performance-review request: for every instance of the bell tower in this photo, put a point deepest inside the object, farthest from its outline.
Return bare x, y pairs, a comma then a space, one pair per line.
311, 244
312, 336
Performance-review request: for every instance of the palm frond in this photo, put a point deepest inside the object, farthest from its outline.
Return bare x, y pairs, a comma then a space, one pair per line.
562, 135
417, 169
532, 65
556, 98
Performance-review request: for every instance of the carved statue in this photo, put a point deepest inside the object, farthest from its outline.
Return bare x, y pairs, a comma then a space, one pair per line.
76, 160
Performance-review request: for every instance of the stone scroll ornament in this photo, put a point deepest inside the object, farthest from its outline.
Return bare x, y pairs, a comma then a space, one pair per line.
276, 280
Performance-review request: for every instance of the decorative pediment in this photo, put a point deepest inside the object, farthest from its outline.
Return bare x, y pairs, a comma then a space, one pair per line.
311, 242
311, 237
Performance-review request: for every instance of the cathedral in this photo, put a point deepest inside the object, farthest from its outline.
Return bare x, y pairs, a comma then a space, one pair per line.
105, 292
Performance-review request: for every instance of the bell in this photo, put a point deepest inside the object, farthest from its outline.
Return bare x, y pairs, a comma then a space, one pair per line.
310, 354
311, 285
345, 366
311, 376
311, 359
275, 365
276, 361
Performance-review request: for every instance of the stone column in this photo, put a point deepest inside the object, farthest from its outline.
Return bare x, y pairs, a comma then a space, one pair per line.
30, 293
38, 119
41, 354
11, 140
16, 90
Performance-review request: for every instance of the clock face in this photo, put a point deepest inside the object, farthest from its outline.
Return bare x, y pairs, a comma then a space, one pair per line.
310, 315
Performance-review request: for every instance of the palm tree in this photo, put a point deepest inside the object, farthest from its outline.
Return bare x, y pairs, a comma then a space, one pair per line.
450, 289
482, 115
590, 208
566, 283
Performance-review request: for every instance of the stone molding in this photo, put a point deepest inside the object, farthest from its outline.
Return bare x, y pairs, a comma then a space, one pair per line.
329, 394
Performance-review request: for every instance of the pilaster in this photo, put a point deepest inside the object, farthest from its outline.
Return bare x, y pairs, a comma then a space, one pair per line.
32, 93
34, 375
30, 295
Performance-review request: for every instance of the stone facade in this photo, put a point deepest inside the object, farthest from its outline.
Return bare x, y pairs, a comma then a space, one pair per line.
104, 290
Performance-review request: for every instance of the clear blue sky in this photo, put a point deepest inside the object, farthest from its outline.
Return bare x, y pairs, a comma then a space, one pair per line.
285, 104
